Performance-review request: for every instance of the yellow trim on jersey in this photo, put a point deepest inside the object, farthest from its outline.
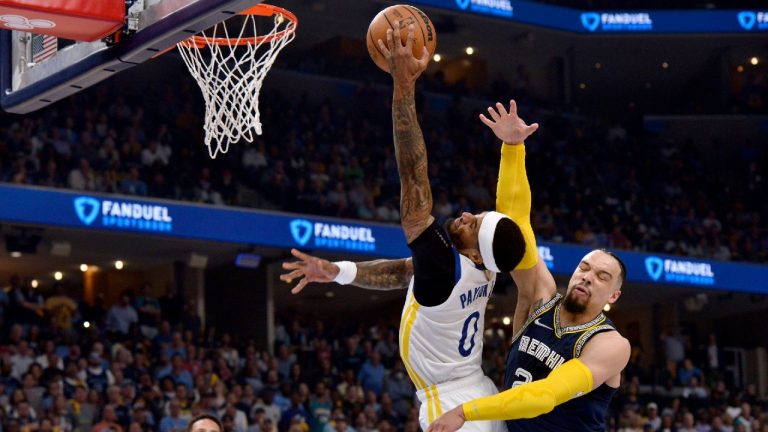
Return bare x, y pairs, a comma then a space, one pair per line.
541, 310
434, 409
409, 317
559, 332
438, 407
579, 345
430, 405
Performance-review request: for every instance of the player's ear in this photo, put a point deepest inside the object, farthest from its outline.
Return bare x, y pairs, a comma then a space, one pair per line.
474, 255
614, 296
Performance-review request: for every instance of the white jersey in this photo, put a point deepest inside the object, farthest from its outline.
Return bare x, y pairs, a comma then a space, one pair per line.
444, 343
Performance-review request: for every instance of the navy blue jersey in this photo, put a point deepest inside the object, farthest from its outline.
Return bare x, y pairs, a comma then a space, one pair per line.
542, 345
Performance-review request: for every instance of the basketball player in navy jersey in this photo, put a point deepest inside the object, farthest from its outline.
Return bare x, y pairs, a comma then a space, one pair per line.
565, 363
453, 271
566, 358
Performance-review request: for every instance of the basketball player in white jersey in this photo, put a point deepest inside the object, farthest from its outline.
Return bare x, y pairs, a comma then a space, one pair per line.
450, 276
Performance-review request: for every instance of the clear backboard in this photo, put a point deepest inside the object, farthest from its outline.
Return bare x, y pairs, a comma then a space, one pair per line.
150, 28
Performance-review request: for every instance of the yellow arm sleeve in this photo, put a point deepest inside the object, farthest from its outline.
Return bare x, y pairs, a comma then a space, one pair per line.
513, 198
571, 379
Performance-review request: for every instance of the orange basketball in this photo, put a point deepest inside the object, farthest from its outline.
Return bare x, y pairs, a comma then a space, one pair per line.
385, 20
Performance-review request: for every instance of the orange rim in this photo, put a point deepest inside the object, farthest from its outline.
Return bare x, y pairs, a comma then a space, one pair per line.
260, 9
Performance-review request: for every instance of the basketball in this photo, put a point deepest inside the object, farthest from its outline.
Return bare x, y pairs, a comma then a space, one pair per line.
386, 19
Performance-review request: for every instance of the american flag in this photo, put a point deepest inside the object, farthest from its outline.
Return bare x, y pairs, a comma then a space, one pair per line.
43, 47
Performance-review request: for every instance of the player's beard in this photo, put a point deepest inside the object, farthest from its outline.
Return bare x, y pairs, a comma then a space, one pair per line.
573, 305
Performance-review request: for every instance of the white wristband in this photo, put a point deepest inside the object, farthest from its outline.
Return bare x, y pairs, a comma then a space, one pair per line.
347, 272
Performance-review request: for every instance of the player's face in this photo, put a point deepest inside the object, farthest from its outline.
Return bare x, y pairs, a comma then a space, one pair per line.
595, 282
464, 231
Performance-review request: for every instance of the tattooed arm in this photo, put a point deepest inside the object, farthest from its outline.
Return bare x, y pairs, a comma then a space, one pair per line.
380, 275
384, 275
410, 150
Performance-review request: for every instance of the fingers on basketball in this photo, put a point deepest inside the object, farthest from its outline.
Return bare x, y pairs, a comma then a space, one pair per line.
410, 38
399, 19
425, 57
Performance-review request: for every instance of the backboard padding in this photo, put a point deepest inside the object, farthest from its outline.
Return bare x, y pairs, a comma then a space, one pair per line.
26, 89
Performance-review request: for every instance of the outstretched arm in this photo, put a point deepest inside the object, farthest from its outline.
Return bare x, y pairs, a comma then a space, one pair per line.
381, 275
410, 150
513, 198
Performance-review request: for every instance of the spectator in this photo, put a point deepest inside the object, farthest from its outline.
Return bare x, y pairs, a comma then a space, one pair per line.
82, 411
400, 389
173, 422
652, 413
688, 423
21, 359
271, 411
687, 372
83, 178
674, 347
240, 420
96, 376
148, 311
340, 424
171, 306
320, 407
156, 153
122, 315
371, 375
108, 421
62, 307
133, 185
28, 305
296, 409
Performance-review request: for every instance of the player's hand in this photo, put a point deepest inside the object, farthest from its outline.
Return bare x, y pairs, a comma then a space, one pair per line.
309, 269
403, 66
507, 126
451, 421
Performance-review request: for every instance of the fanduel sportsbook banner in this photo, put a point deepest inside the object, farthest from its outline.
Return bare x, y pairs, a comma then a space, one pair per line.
114, 213
176, 219
666, 269
611, 22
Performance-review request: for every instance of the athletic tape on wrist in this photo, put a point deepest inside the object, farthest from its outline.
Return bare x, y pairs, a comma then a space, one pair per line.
347, 272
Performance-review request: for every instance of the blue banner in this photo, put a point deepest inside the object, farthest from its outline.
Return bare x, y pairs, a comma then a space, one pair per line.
611, 22
666, 269
205, 222
39, 206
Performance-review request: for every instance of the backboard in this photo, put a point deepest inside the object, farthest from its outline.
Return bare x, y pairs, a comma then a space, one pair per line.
154, 26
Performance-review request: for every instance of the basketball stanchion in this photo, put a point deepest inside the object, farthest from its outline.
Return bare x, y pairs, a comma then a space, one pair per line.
230, 71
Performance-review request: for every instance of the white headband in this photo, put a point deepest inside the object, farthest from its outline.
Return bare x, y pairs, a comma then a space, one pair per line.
485, 239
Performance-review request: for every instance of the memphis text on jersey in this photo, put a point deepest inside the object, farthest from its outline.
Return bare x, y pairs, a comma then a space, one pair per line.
541, 351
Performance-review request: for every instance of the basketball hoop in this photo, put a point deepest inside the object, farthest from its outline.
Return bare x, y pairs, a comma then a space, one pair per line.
231, 72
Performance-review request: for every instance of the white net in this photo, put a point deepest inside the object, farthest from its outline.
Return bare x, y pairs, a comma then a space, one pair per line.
230, 75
